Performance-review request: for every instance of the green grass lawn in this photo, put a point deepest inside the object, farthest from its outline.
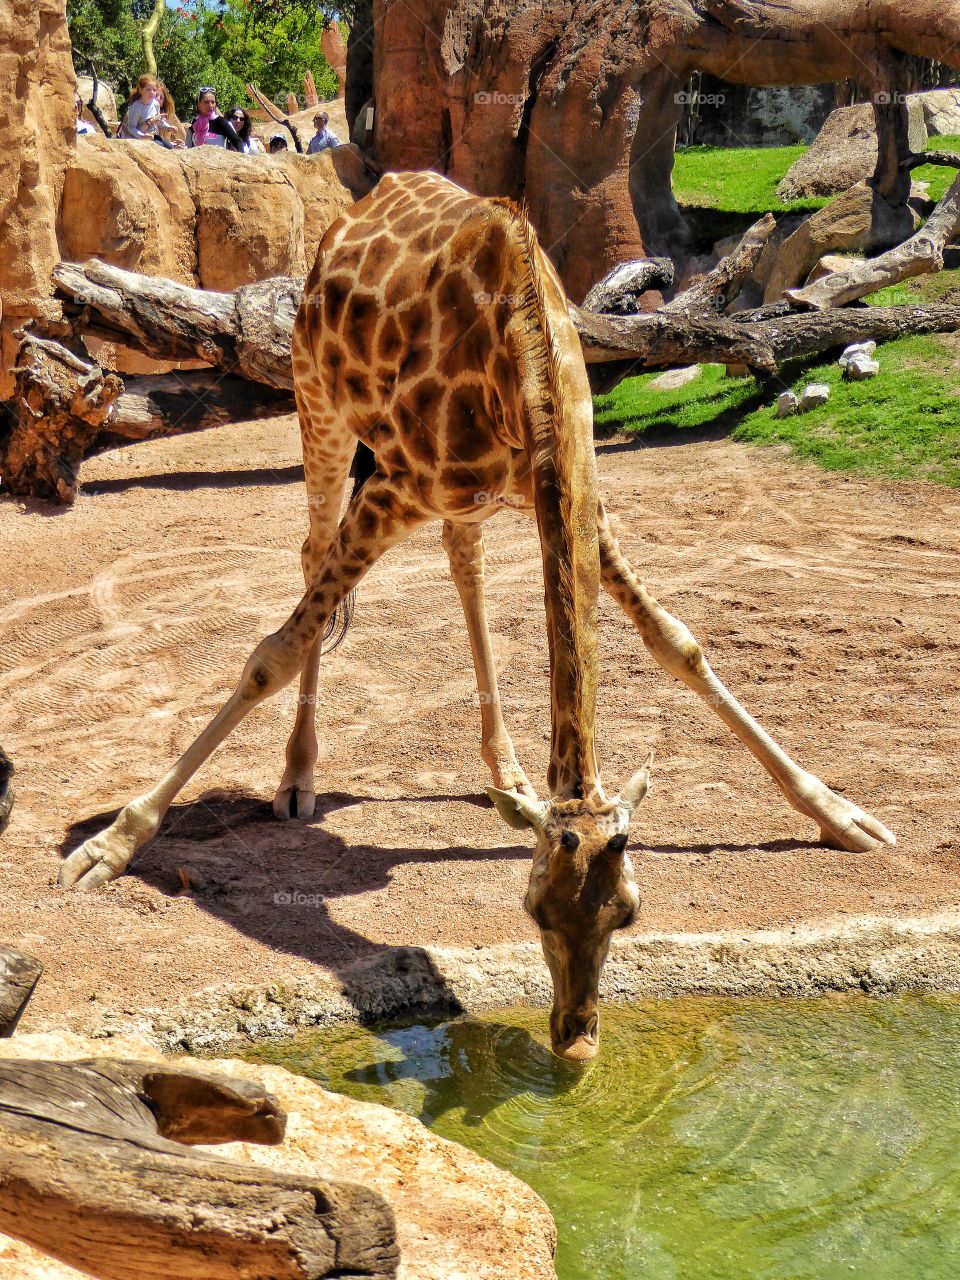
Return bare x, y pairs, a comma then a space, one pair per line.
736, 179
902, 425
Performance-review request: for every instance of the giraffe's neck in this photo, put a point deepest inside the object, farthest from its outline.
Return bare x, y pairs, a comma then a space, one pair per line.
559, 431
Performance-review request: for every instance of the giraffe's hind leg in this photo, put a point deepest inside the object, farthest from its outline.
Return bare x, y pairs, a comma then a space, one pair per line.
463, 544
843, 824
327, 451
375, 521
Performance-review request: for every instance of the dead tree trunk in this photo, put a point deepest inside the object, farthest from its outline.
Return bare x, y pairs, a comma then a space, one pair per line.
59, 407
245, 333
95, 1169
67, 407
920, 255
6, 791
19, 975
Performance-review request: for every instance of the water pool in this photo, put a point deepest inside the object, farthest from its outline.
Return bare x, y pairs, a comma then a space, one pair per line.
722, 1139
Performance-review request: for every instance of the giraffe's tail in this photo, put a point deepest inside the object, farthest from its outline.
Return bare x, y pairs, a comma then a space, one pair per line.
338, 624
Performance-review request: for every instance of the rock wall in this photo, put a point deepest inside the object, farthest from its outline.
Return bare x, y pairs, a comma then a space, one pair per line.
457, 1214
205, 217
37, 87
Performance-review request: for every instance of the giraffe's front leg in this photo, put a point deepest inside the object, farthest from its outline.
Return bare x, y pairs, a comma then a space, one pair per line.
464, 547
843, 824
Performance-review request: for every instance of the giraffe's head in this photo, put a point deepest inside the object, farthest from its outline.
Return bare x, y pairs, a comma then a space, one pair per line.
581, 889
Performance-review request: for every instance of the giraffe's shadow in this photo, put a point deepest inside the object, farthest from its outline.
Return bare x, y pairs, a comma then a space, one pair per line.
279, 883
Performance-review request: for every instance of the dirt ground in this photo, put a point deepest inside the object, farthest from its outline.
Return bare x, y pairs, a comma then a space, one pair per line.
830, 605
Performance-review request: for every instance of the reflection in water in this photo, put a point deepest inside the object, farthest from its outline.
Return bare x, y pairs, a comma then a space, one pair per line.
761, 1139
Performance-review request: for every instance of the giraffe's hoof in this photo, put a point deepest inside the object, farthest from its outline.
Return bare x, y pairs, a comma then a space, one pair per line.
843, 824
99, 860
294, 802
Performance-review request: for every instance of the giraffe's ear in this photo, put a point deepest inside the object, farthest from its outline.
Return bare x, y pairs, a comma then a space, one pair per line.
518, 810
636, 788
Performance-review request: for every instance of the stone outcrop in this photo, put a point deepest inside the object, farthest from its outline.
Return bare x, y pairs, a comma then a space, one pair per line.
941, 112
37, 86
575, 107
845, 152
205, 217
457, 1214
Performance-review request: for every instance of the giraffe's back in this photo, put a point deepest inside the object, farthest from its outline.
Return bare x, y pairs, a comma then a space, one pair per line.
403, 340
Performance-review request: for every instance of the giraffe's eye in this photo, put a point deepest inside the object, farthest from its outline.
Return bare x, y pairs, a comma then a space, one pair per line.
617, 844
570, 841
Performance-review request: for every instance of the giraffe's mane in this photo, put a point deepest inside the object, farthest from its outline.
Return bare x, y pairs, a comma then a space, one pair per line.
537, 347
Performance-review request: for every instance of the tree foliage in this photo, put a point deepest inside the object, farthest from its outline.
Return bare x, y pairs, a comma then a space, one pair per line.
223, 43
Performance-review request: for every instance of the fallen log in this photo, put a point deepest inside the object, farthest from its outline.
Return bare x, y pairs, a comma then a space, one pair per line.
166, 404
7, 795
19, 975
59, 406
96, 1170
719, 287
245, 333
920, 255
621, 291
67, 407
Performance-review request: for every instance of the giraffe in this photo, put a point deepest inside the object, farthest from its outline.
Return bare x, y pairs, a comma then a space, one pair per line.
435, 331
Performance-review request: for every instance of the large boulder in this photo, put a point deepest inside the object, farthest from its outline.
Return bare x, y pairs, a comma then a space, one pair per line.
941, 112
107, 103
205, 216
457, 1215
37, 87
844, 152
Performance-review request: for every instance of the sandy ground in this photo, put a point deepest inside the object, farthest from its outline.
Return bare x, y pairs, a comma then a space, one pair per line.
829, 605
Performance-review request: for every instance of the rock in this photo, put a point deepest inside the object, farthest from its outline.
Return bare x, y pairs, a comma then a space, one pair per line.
844, 152
204, 217
37, 87
857, 219
457, 1215
827, 266
106, 101
816, 394
787, 404
857, 349
335, 52
861, 367
673, 379
941, 112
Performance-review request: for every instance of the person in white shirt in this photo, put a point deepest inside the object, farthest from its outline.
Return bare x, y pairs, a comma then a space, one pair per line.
324, 137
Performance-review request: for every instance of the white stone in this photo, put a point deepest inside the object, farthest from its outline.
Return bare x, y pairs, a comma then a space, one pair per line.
673, 379
857, 349
787, 404
816, 394
862, 367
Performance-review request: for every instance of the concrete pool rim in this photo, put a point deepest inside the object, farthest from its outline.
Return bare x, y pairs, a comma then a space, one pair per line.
873, 954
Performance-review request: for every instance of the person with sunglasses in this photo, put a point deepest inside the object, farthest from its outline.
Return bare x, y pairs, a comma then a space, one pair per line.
209, 127
250, 143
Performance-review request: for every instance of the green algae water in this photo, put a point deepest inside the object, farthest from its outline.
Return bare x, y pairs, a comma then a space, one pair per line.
718, 1139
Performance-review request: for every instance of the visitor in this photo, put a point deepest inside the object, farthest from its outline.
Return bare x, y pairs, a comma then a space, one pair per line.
324, 137
278, 144
250, 144
83, 126
141, 120
146, 118
176, 135
209, 127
